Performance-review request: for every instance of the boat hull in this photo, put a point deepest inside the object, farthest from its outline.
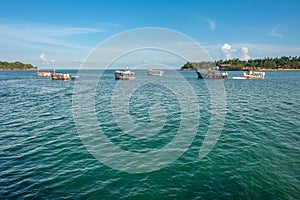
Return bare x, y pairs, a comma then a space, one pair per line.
61, 79
250, 76
239, 78
124, 78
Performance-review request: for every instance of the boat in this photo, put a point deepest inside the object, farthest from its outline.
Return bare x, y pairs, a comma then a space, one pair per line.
155, 72
253, 74
61, 77
74, 77
124, 74
211, 73
44, 73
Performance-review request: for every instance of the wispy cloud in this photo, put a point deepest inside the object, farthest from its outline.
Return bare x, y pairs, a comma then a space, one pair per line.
271, 50
211, 23
36, 33
46, 60
43, 57
274, 32
25, 41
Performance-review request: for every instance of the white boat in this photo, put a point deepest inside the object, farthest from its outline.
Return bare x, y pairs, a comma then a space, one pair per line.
253, 74
155, 72
74, 77
45, 73
238, 77
124, 74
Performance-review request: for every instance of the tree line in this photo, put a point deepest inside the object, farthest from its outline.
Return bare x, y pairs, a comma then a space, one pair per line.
283, 62
15, 65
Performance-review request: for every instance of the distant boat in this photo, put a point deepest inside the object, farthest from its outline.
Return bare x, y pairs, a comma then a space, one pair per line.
44, 73
211, 73
61, 77
124, 74
155, 72
253, 74
74, 77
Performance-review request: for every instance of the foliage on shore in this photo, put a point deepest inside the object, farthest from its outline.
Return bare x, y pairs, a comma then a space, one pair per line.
15, 66
235, 64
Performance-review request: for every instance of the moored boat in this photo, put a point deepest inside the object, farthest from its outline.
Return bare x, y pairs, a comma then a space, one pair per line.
124, 74
253, 74
155, 72
74, 77
44, 73
211, 73
61, 77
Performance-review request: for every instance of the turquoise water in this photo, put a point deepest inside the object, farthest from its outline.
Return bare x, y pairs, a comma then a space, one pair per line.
257, 155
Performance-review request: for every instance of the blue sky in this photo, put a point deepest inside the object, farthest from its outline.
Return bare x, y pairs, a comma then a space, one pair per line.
61, 33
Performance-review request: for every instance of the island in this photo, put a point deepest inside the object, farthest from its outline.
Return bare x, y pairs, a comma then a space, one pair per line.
16, 66
276, 64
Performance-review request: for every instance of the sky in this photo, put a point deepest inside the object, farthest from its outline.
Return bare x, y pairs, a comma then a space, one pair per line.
62, 34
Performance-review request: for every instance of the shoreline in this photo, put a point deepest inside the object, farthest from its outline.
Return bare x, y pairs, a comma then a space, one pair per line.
274, 70
14, 69
277, 70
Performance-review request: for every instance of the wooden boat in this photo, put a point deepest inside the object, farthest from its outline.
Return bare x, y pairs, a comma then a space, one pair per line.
211, 73
253, 74
61, 77
124, 74
155, 72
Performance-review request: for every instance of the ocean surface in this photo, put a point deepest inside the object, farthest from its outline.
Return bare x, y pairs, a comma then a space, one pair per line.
44, 153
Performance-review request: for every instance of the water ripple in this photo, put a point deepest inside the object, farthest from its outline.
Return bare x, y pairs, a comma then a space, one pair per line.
256, 156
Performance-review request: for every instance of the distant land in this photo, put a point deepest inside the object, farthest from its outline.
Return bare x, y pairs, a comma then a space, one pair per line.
16, 66
283, 63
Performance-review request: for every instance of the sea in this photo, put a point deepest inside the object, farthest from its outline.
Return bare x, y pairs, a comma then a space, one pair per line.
157, 137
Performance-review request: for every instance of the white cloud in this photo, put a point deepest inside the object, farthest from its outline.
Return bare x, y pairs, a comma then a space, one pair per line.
226, 49
257, 50
226, 46
245, 53
229, 52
